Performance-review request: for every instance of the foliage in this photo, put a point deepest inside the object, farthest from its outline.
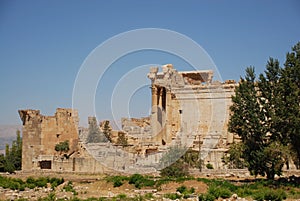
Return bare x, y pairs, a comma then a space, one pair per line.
177, 169
234, 158
116, 180
191, 157
209, 166
185, 191
62, 146
18, 184
266, 115
172, 196
69, 188
174, 163
12, 160
140, 181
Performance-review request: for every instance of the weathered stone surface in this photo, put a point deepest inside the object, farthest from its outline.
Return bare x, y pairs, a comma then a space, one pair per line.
188, 109
41, 134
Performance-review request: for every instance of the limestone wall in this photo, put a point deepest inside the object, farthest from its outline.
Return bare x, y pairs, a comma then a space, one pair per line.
41, 134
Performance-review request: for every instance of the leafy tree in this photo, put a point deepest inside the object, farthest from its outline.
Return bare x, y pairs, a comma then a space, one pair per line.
266, 115
12, 160
234, 158
246, 121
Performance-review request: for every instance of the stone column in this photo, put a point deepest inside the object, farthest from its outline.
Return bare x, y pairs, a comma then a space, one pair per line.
154, 116
168, 118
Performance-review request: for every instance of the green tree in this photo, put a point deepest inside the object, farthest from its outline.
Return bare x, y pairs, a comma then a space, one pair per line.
246, 121
234, 158
266, 115
2, 162
289, 113
12, 160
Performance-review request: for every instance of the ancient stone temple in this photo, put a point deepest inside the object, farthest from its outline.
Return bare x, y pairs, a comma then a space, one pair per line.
189, 109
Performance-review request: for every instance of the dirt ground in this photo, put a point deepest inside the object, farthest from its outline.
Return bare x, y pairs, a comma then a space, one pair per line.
93, 185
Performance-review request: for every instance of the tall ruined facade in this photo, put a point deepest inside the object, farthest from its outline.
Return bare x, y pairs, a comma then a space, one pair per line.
190, 108
40, 135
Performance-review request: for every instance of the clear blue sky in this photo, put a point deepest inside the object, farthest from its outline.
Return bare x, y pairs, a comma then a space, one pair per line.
44, 43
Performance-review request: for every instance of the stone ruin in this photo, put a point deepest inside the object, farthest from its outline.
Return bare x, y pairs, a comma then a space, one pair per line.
189, 109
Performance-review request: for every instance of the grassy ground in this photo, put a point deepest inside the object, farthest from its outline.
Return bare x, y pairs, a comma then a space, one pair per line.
138, 187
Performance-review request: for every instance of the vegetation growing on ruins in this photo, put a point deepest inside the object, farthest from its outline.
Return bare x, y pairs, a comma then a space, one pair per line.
62, 146
12, 160
266, 116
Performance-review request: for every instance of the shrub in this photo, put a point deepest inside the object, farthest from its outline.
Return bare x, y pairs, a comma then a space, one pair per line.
224, 193
140, 181
259, 196
276, 195
172, 196
209, 166
177, 169
206, 197
121, 196
181, 189
69, 188
116, 180
118, 183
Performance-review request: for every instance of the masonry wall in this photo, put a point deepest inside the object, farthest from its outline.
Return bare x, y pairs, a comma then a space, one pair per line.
41, 134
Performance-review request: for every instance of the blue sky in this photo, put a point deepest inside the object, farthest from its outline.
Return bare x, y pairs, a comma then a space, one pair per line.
44, 43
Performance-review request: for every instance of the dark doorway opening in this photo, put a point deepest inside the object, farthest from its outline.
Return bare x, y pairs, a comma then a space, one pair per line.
45, 164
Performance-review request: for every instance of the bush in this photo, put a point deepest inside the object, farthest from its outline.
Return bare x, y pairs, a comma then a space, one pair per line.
206, 197
259, 196
118, 183
224, 193
275, 195
172, 196
139, 181
209, 166
69, 188
177, 169
181, 189
116, 180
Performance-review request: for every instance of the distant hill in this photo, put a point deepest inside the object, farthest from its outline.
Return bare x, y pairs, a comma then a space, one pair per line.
7, 135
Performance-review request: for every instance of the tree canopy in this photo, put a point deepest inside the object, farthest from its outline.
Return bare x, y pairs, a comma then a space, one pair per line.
265, 114
12, 160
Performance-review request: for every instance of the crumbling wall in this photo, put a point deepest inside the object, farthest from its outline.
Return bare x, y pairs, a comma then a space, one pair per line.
41, 134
